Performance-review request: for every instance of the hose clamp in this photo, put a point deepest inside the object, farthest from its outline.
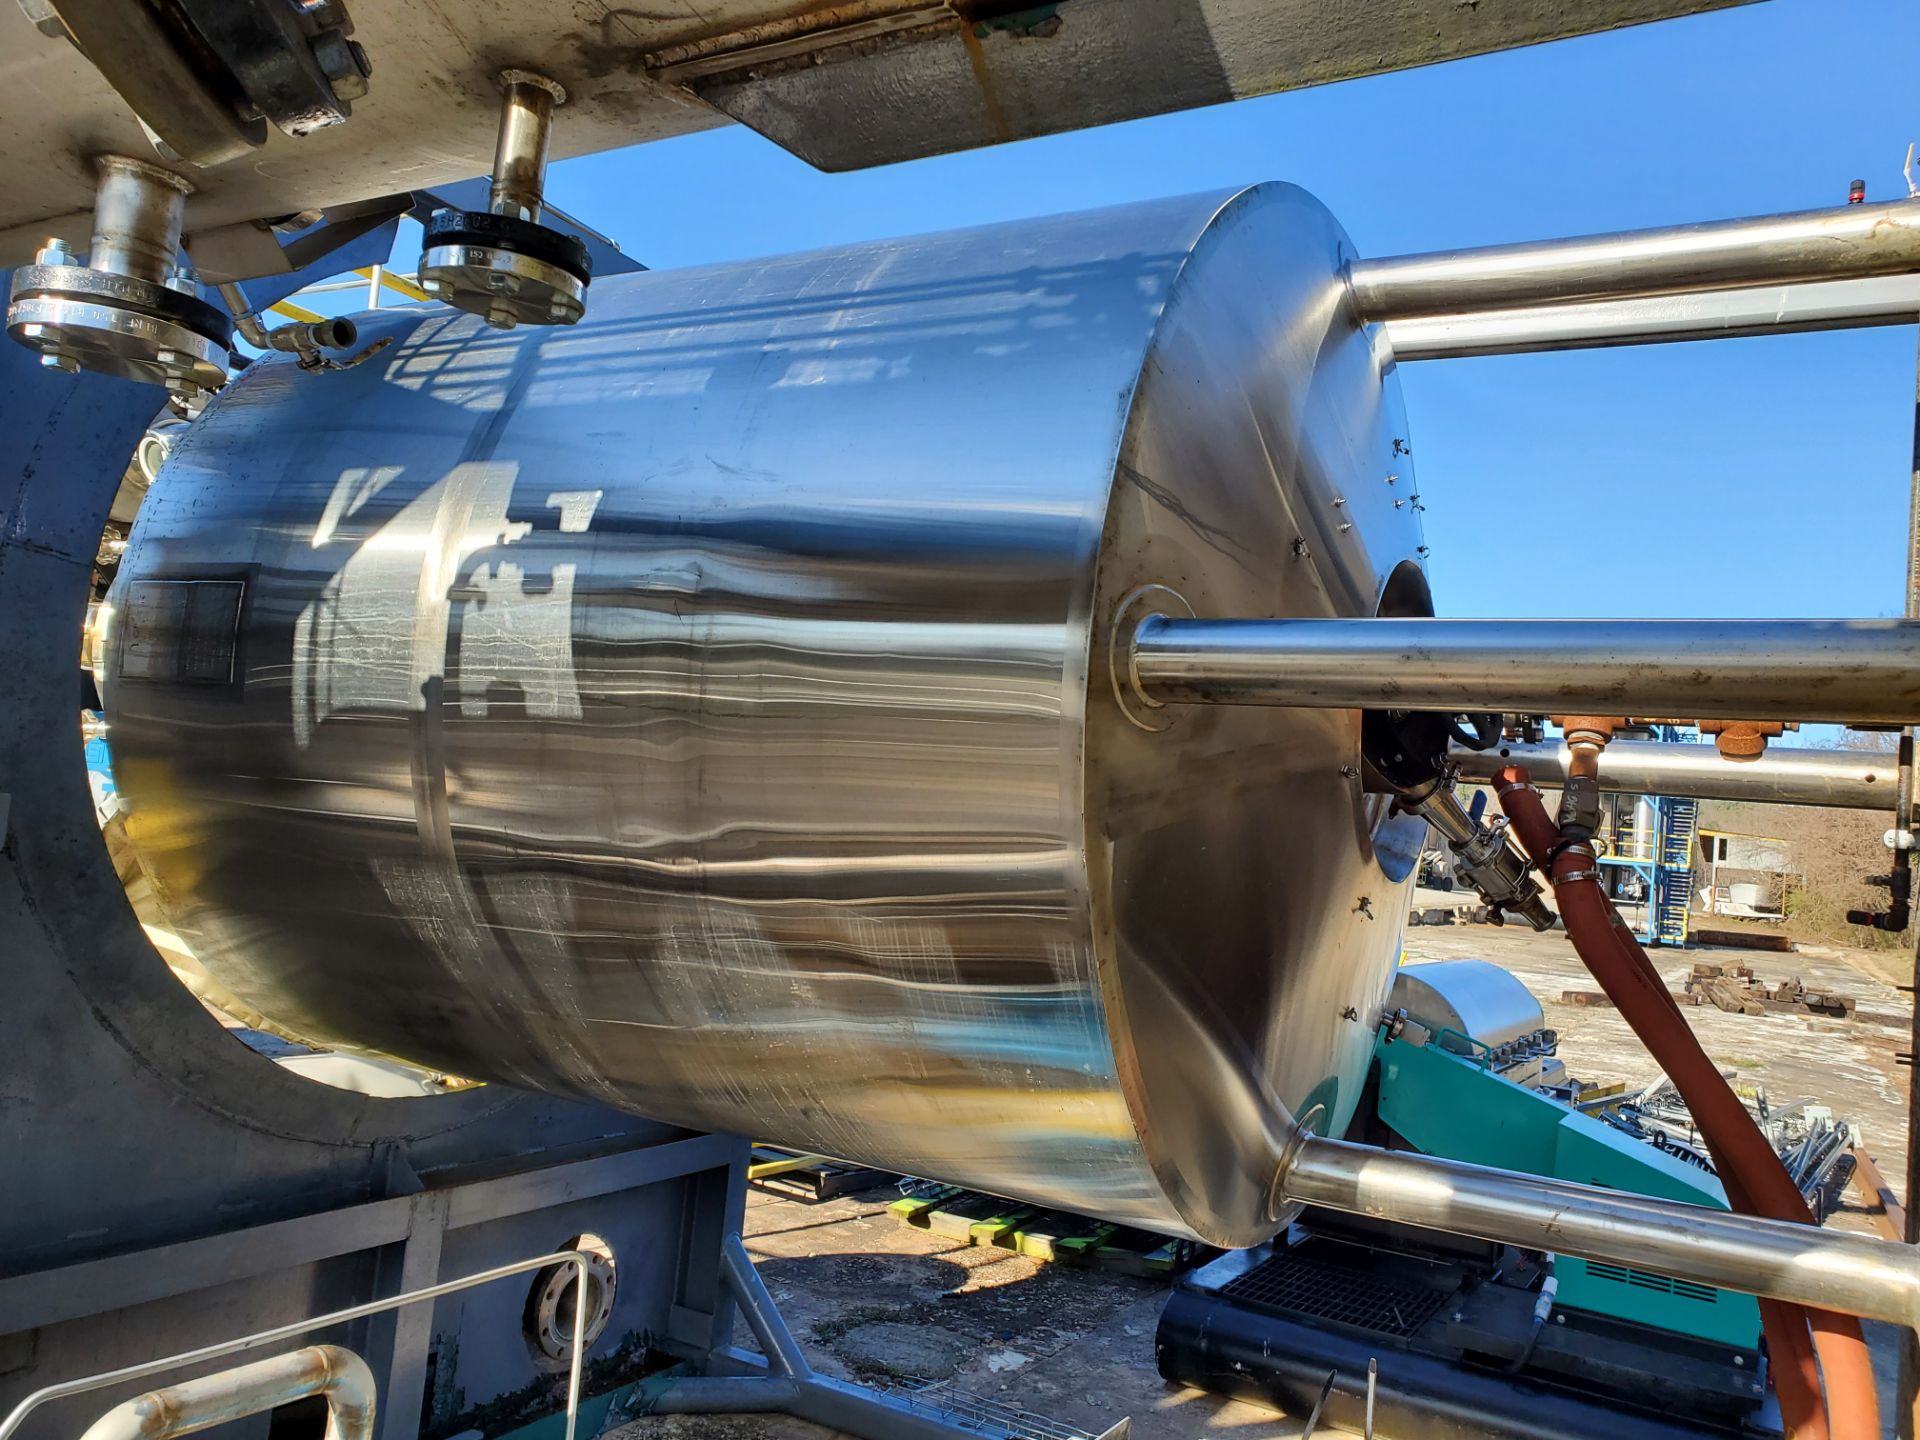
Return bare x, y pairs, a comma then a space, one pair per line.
1567, 844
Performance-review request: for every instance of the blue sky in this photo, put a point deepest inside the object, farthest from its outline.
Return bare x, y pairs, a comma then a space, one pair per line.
1763, 477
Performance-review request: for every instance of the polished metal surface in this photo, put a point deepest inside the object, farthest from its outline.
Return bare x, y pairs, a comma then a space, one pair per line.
1860, 671
845, 94
503, 287
1481, 855
123, 314
1473, 997
1784, 775
520, 150
77, 333
1659, 319
1847, 242
1825, 1269
707, 708
137, 214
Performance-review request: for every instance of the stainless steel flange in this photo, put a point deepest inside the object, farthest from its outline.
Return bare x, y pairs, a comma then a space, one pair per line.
130, 311
75, 334
504, 287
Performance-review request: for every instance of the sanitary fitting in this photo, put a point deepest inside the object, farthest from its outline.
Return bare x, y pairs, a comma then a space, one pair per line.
1483, 858
1587, 736
132, 310
307, 339
520, 150
502, 263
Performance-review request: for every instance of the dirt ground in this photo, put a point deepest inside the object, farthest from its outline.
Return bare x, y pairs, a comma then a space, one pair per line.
872, 1299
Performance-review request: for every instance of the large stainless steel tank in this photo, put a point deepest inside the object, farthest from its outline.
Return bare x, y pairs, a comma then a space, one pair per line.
708, 708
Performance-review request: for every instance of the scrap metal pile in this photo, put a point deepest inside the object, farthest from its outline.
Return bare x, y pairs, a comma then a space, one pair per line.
1815, 1147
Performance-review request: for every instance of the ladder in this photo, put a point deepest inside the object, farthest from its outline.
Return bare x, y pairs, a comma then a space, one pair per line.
1682, 823
1662, 855
1671, 899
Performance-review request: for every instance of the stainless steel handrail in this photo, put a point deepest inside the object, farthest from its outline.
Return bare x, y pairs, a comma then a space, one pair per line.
580, 1261
339, 1376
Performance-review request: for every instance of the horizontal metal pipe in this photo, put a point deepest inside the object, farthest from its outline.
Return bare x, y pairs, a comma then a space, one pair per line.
1847, 671
1659, 319
1825, 1269
1847, 242
304, 337
1784, 775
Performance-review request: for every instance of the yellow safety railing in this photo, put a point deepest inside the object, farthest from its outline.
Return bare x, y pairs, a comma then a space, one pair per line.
1632, 843
378, 279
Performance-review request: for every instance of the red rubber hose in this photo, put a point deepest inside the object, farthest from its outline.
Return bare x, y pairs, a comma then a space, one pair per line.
1755, 1180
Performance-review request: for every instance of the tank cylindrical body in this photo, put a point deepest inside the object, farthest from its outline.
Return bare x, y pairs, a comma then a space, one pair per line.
709, 708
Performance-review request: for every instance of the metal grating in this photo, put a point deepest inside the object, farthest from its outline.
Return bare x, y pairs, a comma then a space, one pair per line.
1293, 1282
993, 1419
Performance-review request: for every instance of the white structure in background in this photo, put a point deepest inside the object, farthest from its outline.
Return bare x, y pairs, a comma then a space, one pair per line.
1761, 861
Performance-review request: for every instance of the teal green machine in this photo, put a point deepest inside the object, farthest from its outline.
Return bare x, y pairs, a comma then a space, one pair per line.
1445, 1092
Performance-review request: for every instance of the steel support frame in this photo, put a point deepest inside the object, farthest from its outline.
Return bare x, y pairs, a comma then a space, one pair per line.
415, 1223
781, 1381
407, 1234
1907, 1407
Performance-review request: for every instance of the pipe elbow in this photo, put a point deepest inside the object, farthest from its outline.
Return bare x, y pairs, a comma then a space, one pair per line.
341, 1376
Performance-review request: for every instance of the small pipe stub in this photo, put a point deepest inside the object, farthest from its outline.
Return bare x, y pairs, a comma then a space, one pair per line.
511, 77
1587, 736
501, 263
131, 311
1136, 607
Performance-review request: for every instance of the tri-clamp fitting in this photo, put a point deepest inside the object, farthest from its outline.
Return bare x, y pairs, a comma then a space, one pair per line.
1482, 857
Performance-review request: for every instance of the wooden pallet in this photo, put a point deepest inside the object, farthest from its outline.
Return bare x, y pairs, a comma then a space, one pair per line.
1050, 1235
